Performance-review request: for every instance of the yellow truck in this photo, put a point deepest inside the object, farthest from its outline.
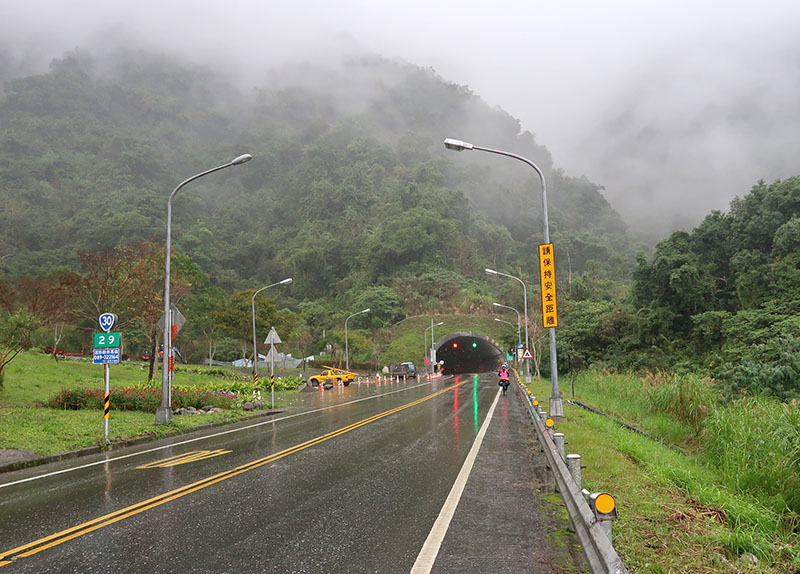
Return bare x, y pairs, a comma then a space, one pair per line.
331, 376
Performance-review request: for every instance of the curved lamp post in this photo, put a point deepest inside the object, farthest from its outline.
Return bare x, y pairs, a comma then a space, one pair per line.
425, 348
525, 303
519, 339
346, 348
253, 309
556, 406
164, 410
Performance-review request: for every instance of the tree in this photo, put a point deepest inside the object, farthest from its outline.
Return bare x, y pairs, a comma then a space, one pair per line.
236, 319
383, 303
203, 308
52, 301
15, 335
129, 281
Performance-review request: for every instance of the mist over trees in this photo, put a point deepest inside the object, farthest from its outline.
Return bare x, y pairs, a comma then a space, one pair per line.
352, 194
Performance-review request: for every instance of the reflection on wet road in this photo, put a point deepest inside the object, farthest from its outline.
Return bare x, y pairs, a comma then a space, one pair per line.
346, 480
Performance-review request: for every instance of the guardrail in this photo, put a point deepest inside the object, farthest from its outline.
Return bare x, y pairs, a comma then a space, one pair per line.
593, 530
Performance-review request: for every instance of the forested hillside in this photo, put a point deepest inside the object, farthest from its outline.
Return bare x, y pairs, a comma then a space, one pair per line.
350, 189
352, 194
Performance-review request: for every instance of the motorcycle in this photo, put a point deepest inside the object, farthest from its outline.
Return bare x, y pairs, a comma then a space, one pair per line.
504, 380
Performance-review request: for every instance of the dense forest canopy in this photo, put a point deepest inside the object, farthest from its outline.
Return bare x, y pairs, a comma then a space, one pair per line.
352, 194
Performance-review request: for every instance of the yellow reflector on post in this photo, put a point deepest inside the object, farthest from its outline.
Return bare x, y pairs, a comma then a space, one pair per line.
604, 502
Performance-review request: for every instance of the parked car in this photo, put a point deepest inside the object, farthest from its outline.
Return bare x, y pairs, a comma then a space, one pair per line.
406, 369
332, 375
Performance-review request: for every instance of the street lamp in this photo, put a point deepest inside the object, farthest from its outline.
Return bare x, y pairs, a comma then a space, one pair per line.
556, 406
346, 348
519, 340
164, 410
253, 308
525, 302
425, 348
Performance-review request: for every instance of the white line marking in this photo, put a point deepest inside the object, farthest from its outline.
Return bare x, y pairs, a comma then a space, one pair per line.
270, 421
430, 550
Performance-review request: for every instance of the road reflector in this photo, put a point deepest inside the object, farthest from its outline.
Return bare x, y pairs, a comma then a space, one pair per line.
603, 505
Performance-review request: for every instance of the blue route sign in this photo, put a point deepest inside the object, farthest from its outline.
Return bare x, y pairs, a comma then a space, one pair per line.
107, 321
105, 356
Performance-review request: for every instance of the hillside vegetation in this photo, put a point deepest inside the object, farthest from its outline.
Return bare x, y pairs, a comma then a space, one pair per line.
352, 194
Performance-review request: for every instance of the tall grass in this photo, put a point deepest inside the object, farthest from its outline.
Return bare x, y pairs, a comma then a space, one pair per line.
755, 443
747, 461
688, 399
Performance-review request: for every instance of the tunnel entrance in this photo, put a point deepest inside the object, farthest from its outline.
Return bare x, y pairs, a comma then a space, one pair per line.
468, 352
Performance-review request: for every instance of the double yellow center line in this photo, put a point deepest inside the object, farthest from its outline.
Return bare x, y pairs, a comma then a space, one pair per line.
36, 546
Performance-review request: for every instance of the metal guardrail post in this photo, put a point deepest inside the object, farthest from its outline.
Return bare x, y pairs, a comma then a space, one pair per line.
574, 467
558, 440
601, 556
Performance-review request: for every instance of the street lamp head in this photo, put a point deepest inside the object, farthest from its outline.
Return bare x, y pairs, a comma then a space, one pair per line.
498, 305
440, 323
242, 159
285, 281
457, 145
490, 271
365, 310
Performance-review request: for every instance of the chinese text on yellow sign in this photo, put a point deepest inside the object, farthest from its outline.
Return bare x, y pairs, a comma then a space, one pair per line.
547, 272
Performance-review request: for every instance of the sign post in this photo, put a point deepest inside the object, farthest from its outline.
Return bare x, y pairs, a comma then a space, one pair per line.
272, 340
105, 352
176, 320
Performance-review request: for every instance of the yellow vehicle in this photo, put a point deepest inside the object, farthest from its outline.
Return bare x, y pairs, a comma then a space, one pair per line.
331, 376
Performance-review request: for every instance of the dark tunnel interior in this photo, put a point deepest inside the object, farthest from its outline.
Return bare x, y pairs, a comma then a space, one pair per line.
468, 353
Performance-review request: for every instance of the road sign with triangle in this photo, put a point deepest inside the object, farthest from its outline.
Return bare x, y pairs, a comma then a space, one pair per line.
272, 355
272, 338
527, 354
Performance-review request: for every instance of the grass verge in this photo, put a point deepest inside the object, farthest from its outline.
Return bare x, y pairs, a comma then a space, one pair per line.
676, 515
32, 379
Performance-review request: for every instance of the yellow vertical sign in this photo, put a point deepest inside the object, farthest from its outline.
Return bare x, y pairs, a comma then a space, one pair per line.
547, 276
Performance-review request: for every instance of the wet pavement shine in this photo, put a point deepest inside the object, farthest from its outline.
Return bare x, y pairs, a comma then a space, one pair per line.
346, 480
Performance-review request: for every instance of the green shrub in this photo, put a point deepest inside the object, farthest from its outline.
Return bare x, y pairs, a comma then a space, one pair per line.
247, 388
771, 368
147, 399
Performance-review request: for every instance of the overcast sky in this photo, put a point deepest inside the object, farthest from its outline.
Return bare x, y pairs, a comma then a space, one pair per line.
675, 107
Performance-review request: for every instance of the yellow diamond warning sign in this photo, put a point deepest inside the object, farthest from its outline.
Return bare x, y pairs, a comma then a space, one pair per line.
547, 274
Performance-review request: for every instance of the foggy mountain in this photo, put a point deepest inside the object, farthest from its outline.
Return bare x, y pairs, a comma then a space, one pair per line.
674, 108
350, 184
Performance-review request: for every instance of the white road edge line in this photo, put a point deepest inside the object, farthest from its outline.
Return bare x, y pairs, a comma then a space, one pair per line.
270, 421
430, 550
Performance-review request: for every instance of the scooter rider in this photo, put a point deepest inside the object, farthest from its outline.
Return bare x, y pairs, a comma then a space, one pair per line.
504, 377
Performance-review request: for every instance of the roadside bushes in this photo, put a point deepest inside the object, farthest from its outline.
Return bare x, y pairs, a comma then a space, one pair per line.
141, 399
771, 368
247, 388
222, 394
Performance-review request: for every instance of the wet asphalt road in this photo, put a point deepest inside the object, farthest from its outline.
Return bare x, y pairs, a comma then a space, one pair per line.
348, 480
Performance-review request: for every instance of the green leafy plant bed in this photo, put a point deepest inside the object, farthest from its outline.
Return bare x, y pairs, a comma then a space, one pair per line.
142, 399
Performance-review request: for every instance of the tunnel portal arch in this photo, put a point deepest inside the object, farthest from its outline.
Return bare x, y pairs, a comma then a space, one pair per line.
468, 352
